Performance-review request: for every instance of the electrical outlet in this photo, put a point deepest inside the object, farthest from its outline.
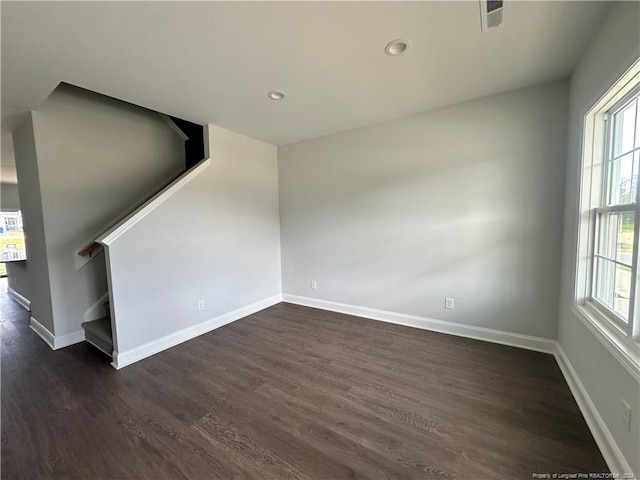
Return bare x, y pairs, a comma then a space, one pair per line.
200, 304
626, 415
314, 285
448, 303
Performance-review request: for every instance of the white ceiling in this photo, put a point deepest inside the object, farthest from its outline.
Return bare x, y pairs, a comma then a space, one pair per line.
214, 62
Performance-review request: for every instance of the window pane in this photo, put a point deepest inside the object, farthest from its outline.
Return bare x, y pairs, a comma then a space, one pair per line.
605, 279
12, 245
621, 180
608, 238
613, 286
622, 291
624, 126
616, 236
624, 244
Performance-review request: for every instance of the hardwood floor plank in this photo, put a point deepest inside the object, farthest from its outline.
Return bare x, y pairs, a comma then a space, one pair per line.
289, 393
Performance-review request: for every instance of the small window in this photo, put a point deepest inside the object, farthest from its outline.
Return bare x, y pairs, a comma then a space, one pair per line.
12, 246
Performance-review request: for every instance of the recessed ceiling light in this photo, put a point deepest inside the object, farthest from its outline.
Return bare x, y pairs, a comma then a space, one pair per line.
396, 47
275, 95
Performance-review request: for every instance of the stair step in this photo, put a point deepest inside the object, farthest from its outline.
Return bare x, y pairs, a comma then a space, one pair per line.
98, 333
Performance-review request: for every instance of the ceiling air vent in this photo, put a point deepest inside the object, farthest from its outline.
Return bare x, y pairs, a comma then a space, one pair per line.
490, 13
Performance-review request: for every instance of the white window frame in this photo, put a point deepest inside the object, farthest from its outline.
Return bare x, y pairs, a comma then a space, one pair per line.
621, 338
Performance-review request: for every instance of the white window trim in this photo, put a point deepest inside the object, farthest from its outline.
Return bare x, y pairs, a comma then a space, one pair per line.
625, 348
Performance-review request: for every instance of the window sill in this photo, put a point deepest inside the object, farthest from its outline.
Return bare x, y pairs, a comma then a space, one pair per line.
624, 349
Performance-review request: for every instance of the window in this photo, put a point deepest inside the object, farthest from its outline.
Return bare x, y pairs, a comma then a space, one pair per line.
607, 273
12, 245
614, 260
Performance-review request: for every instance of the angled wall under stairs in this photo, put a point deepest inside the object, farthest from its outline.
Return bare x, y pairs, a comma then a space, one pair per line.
212, 237
99, 332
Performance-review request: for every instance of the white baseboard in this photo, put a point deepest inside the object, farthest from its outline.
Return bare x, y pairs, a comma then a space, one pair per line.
528, 342
122, 359
42, 332
19, 298
608, 446
54, 342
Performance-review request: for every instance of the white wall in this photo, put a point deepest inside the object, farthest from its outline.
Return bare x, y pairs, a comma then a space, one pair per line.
9, 198
605, 380
18, 278
36, 267
96, 157
464, 201
7, 159
216, 239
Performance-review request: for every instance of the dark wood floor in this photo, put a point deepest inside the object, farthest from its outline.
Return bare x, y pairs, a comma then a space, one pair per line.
288, 393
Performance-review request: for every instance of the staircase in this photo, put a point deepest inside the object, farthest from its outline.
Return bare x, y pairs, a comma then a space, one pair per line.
98, 332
